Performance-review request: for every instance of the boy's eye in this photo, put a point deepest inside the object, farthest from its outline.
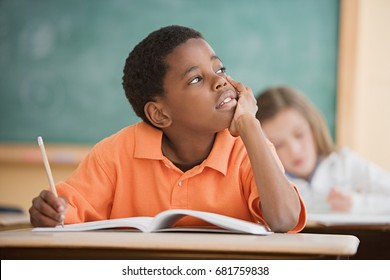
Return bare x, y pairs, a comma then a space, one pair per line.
195, 80
221, 70
199, 79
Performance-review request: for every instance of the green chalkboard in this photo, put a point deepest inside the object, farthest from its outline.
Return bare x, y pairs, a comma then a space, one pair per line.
61, 61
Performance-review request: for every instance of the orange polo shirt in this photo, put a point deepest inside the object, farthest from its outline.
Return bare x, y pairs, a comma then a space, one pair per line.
127, 175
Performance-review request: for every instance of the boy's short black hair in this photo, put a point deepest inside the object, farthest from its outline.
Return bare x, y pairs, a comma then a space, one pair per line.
145, 67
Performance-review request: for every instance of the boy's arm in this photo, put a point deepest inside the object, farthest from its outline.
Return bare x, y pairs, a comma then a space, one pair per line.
279, 201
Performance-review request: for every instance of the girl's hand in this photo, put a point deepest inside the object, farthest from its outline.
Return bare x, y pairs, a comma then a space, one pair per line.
339, 200
246, 105
47, 210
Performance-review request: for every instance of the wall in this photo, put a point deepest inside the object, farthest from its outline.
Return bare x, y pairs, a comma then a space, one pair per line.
364, 79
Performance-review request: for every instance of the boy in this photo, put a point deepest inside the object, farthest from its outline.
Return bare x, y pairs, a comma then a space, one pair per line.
185, 153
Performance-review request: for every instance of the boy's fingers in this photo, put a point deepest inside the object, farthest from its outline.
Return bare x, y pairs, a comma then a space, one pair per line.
41, 208
55, 202
237, 85
39, 219
49, 205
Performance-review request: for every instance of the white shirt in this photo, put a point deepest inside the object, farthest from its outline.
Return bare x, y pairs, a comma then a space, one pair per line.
367, 182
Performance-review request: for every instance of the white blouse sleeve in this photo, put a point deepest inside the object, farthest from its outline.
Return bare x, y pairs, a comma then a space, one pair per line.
369, 182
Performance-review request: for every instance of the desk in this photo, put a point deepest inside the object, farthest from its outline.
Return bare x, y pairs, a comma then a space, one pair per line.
25, 244
374, 239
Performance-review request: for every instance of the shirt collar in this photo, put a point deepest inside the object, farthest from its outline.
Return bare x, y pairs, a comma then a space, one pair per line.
220, 154
148, 145
148, 142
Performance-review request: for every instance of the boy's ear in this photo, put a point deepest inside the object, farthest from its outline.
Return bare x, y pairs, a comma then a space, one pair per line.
156, 114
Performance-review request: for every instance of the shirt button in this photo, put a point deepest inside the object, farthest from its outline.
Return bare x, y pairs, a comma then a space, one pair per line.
180, 183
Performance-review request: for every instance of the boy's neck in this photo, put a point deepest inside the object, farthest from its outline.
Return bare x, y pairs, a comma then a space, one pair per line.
186, 154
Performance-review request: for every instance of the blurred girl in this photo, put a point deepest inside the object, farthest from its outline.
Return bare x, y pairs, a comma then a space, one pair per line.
329, 179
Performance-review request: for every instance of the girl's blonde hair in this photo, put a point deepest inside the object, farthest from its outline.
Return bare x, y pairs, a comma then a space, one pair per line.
275, 99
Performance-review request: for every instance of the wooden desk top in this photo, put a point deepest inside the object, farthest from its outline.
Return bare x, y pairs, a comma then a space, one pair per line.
24, 244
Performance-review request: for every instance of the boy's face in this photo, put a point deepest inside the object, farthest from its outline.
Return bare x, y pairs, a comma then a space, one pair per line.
197, 95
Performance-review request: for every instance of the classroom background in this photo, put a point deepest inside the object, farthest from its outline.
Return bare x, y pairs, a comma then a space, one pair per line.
61, 66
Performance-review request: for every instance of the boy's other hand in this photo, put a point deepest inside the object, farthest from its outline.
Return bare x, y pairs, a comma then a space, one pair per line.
47, 210
246, 105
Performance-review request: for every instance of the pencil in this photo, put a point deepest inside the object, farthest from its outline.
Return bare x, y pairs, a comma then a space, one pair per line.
47, 166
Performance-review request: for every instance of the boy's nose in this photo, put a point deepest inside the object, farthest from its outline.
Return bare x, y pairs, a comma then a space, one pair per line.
220, 82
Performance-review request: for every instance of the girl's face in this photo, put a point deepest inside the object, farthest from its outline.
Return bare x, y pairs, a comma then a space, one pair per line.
197, 95
291, 134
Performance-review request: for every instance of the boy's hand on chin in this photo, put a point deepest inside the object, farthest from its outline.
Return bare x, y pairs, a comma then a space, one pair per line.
246, 105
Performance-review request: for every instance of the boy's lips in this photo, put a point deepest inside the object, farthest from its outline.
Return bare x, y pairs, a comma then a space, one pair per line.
225, 98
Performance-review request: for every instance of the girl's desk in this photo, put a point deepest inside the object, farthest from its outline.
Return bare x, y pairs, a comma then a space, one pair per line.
374, 237
25, 244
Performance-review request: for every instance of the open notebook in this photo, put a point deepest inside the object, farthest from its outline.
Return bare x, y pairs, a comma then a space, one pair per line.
164, 222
